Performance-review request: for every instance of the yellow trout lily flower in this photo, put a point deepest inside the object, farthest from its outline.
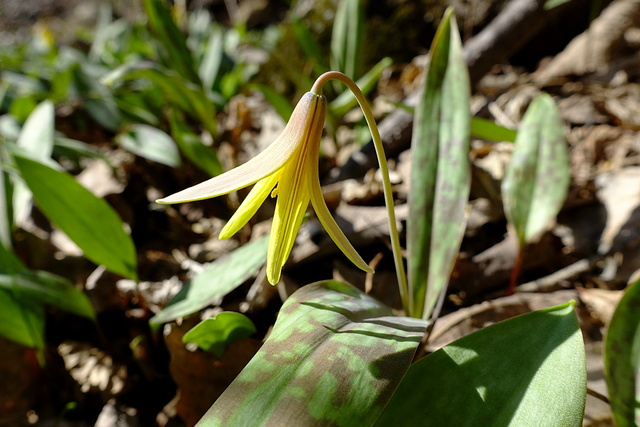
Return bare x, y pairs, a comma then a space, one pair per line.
288, 170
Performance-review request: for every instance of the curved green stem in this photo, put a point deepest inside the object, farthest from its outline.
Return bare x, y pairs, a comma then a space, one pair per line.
386, 183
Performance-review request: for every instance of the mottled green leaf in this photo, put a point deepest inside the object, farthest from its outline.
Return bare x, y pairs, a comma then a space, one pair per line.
526, 371
622, 359
89, 221
537, 178
212, 59
334, 357
211, 285
440, 171
217, 333
150, 143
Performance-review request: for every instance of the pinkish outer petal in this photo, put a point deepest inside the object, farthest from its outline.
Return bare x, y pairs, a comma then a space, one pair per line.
274, 157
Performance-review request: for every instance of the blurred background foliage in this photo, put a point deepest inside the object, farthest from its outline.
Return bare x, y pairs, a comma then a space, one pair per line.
107, 105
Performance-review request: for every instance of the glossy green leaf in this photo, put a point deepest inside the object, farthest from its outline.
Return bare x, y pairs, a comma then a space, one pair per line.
211, 285
89, 221
526, 371
177, 55
48, 288
537, 178
622, 359
192, 147
217, 333
486, 129
150, 143
440, 171
334, 357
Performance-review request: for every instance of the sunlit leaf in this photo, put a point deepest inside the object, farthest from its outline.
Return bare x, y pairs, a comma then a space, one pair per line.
211, 285
537, 178
526, 371
440, 171
622, 359
217, 333
89, 221
37, 133
150, 143
334, 357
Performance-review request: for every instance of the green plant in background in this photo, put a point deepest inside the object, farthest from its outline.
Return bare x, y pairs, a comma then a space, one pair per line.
537, 179
622, 358
338, 356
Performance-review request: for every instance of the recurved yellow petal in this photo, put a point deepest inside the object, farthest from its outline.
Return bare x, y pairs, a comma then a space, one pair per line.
327, 221
265, 163
250, 205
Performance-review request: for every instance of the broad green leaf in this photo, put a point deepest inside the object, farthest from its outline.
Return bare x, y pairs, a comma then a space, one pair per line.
150, 143
440, 171
537, 178
211, 285
48, 288
192, 147
217, 333
162, 26
622, 359
21, 320
334, 357
486, 129
526, 371
347, 38
89, 221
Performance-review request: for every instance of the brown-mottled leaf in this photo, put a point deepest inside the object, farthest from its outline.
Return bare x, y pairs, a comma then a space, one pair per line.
440, 171
334, 357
